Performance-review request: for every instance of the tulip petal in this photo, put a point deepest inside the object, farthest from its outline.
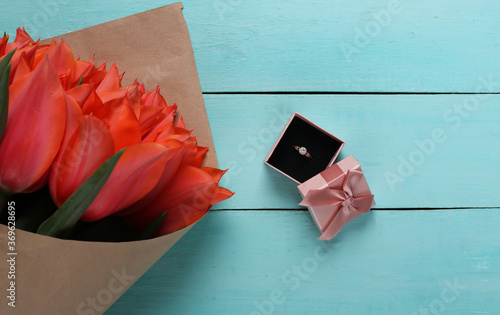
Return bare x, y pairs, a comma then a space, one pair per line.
40, 53
80, 93
28, 53
95, 76
149, 201
215, 173
154, 98
190, 153
200, 153
90, 145
221, 194
3, 44
150, 116
187, 199
111, 81
135, 175
73, 113
142, 89
22, 40
119, 116
134, 97
81, 68
42, 182
111, 95
92, 103
35, 128
166, 125
102, 67
181, 123
22, 68
61, 57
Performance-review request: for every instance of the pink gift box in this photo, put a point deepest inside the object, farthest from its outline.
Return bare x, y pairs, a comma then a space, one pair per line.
322, 146
336, 196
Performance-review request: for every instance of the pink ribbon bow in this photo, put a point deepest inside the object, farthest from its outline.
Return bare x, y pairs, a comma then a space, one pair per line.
346, 204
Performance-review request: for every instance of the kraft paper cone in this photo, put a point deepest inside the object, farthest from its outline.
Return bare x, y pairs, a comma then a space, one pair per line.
54, 276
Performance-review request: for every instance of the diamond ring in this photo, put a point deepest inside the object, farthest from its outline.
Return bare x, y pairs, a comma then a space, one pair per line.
302, 151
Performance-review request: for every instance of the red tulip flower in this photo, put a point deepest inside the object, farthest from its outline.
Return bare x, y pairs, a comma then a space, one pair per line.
67, 117
34, 129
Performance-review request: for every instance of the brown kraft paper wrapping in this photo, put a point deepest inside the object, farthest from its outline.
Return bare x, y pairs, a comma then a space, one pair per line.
54, 276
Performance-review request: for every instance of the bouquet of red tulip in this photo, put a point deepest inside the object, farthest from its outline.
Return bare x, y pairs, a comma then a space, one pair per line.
97, 162
104, 153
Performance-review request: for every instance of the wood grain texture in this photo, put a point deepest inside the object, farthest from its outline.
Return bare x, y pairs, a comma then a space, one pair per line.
384, 262
423, 46
390, 135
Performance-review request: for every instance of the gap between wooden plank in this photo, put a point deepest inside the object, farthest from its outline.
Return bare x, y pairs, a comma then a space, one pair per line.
343, 93
373, 209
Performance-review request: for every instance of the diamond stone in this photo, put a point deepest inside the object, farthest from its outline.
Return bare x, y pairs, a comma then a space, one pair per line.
303, 151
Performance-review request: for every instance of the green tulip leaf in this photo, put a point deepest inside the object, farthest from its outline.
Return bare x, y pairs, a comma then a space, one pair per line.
5, 61
149, 231
5, 65
80, 82
62, 221
4, 99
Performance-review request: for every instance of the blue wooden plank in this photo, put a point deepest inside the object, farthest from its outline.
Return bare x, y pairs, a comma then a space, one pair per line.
416, 150
383, 262
427, 45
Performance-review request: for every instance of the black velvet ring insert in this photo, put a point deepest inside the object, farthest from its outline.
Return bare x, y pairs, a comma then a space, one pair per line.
320, 144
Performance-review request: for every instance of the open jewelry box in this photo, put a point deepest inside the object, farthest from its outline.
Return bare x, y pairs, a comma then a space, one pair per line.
303, 149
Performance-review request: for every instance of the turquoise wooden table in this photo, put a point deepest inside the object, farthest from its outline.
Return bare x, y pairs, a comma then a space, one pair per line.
411, 86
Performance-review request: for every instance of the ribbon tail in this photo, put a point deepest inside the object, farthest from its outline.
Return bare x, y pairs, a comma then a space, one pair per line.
345, 215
